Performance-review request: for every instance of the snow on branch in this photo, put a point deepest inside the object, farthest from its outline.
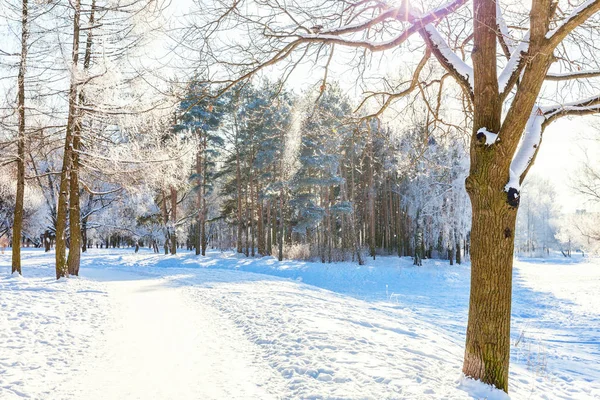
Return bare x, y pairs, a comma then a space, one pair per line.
578, 16
540, 117
572, 75
489, 137
587, 106
525, 154
506, 41
462, 71
510, 73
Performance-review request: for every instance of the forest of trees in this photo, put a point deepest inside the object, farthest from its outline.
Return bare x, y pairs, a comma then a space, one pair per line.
103, 148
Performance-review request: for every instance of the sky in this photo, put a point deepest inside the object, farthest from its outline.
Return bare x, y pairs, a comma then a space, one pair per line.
559, 157
563, 149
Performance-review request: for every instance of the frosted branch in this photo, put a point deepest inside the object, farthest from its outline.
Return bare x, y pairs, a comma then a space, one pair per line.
525, 154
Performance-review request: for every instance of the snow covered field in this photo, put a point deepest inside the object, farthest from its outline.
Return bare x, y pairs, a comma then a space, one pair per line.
145, 326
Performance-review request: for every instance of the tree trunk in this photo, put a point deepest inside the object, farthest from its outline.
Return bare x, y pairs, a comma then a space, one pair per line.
165, 215
238, 181
252, 224
77, 242
487, 350
47, 241
371, 200
329, 236
281, 221
269, 229
18, 215
62, 208
260, 226
84, 221
203, 237
199, 199
174, 220
74, 257
457, 241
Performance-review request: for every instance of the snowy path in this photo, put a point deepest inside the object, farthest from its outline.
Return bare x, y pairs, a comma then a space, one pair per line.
161, 346
146, 326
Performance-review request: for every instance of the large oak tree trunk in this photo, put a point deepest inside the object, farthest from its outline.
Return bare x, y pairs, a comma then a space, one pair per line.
487, 350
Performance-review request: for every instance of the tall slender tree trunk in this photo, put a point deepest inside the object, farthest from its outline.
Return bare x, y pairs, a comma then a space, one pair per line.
246, 226
203, 236
174, 220
252, 224
371, 199
165, 215
458, 255
17, 230
390, 218
280, 237
238, 181
240, 227
62, 208
329, 228
84, 222
260, 223
199, 200
74, 257
269, 229
76, 245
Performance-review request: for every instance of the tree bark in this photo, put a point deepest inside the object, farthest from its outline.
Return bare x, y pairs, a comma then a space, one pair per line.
487, 350
17, 230
199, 198
371, 199
77, 242
74, 257
252, 224
281, 222
269, 230
174, 220
62, 208
203, 237
165, 215
238, 181
84, 221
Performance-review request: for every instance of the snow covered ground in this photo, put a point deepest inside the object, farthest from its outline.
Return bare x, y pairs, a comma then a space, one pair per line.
145, 326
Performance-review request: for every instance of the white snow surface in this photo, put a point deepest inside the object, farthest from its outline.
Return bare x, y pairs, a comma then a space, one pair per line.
146, 326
